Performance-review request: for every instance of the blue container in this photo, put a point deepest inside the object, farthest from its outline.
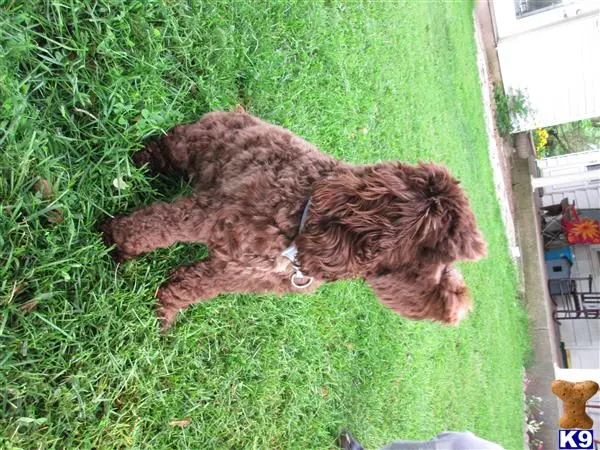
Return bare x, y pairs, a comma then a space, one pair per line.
558, 263
559, 253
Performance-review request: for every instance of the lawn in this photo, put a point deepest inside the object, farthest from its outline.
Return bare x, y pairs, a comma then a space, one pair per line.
82, 364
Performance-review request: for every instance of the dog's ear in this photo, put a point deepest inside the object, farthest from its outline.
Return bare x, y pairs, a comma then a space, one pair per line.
441, 297
438, 219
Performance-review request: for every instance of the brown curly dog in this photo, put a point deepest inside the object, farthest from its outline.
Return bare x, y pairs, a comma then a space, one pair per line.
398, 226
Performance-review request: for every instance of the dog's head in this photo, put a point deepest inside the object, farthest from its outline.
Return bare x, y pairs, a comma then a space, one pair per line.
390, 217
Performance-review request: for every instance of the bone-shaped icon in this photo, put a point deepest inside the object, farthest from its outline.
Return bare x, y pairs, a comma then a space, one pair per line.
574, 396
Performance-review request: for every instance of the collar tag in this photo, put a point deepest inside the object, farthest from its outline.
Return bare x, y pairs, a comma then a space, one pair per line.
290, 253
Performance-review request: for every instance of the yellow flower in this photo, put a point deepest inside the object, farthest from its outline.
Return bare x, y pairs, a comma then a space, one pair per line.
542, 138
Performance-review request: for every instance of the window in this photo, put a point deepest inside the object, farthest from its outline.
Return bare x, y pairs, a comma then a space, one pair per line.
593, 167
524, 8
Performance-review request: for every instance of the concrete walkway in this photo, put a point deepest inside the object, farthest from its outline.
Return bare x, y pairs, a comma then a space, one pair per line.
542, 328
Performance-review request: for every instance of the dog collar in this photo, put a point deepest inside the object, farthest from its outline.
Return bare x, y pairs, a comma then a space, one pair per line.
291, 253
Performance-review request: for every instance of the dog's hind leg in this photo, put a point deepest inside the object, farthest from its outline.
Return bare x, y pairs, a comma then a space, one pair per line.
168, 154
158, 226
209, 278
179, 150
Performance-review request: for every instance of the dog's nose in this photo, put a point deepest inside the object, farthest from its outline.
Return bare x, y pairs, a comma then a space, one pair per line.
450, 271
444, 270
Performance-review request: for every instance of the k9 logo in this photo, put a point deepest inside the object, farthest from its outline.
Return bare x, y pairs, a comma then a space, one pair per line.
575, 439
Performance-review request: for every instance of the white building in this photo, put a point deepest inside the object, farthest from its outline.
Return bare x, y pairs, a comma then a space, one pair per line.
550, 51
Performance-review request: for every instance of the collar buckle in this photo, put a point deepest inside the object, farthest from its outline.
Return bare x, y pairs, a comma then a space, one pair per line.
291, 253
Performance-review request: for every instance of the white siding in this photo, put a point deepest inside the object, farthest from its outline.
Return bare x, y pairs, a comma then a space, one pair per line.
570, 159
587, 262
558, 68
585, 193
588, 198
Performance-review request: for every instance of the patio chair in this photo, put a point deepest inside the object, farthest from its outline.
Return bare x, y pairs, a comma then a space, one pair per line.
571, 302
552, 229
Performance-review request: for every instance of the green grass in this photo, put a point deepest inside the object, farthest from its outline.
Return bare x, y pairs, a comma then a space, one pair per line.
81, 362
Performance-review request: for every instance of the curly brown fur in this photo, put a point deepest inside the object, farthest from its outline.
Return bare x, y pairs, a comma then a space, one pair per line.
399, 226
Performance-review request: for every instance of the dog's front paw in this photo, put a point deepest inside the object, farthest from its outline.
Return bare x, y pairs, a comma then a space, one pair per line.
165, 318
108, 237
164, 311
